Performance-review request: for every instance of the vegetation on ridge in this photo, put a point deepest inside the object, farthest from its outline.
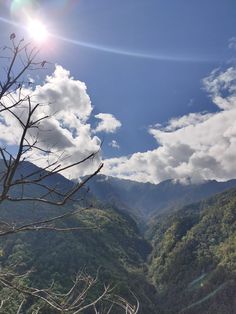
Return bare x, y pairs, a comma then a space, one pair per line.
193, 264
111, 244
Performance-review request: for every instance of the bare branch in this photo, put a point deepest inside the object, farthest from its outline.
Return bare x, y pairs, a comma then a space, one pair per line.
20, 307
24, 110
74, 300
43, 224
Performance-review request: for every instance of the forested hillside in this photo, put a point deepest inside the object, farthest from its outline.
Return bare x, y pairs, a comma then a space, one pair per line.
107, 240
193, 263
184, 263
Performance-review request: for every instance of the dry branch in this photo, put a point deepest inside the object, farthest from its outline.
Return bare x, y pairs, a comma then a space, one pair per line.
21, 58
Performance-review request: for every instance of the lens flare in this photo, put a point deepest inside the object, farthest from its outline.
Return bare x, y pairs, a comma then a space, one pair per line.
19, 7
117, 51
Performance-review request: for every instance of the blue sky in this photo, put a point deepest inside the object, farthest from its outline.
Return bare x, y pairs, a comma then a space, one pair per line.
139, 91
157, 54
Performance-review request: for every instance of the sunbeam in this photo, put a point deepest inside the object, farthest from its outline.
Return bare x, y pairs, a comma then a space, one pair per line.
122, 52
135, 54
4, 20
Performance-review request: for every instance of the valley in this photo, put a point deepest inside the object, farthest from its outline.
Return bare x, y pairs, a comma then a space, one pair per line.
176, 254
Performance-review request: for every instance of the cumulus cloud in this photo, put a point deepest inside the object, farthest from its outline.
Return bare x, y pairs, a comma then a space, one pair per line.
67, 96
108, 123
67, 132
199, 146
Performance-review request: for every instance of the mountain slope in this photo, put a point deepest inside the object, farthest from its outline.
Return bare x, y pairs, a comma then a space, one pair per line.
107, 239
193, 261
193, 264
142, 200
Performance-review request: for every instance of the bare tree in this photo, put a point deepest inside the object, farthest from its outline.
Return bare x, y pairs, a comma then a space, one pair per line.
76, 299
18, 102
14, 101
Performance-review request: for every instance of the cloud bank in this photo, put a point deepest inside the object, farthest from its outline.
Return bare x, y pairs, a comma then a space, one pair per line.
67, 133
198, 146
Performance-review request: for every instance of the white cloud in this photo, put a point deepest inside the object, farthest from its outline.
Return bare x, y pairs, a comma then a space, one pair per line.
199, 146
108, 123
222, 87
114, 144
184, 121
66, 132
67, 96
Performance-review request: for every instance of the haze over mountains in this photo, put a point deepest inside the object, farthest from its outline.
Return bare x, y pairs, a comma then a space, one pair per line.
143, 200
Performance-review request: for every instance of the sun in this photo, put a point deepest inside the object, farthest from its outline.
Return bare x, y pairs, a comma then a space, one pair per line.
37, 31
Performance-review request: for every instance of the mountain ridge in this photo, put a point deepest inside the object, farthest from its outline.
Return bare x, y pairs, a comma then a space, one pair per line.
143, 200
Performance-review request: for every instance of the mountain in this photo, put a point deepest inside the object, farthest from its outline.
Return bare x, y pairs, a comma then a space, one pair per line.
143, 200
140, 200
26, 211
107, 239
186, 263
193, 263
27, 168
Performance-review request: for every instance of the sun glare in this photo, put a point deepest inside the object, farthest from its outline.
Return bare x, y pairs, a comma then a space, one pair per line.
37, 31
